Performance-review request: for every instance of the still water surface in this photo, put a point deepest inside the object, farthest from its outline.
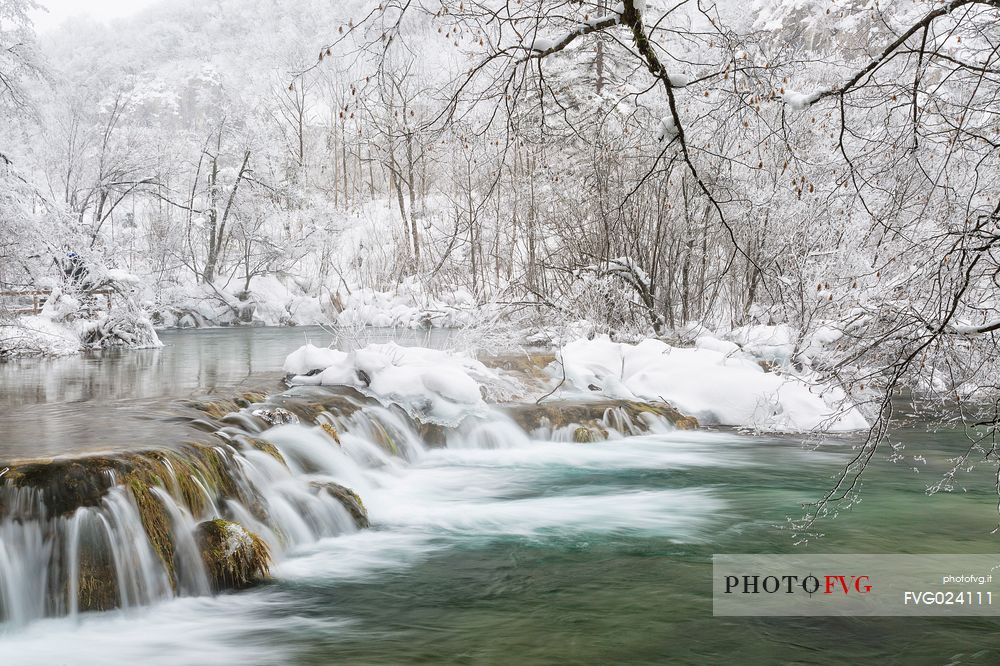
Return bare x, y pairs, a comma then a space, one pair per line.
131, 398
546, 553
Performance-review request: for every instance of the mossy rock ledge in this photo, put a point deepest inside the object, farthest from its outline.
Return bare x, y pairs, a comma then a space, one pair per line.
235, 558
348, 498
591, 419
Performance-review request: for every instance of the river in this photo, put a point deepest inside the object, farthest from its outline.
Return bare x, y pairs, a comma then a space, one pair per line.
530, 552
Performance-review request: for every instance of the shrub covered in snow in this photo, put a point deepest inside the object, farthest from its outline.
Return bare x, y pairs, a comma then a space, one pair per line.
78, 319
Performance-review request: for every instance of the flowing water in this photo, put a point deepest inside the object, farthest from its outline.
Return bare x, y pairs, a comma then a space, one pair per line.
503, 548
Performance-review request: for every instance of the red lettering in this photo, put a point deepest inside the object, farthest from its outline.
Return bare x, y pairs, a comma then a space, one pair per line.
846, 583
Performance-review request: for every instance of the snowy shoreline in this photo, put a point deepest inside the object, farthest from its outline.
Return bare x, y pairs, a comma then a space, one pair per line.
717, 388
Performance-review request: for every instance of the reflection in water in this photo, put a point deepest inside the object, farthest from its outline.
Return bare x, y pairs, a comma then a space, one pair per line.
127, 398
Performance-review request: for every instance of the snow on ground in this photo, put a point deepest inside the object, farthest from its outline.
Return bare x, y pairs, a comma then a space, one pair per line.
775, 344
410, 306
717, 382
270, 302
273, 302
709, 382
69, 324
433, 386
37, 335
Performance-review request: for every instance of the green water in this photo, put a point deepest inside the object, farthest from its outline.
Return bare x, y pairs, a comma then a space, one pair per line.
548, 553
540, 554
624, 597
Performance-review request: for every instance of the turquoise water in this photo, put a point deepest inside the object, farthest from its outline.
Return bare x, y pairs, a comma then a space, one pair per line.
540, 553
568, 553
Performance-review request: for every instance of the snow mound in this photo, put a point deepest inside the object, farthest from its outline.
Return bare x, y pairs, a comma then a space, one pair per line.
708, 382
717, 382
68, 324
432, 386
775, 344
268, 302
409, 306
37, 335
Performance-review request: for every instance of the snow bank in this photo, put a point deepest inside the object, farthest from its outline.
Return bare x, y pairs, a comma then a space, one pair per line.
432, 386
716, 382
708, 382
269, 302
68, 324
274, 303
775, 344
409, 306
37, 336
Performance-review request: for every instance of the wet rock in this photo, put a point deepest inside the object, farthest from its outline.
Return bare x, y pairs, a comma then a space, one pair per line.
349, 499
97, 584
63, 485
216, 409
528, 365
261, 445
592, 419
275, 415
332, 432
234, 557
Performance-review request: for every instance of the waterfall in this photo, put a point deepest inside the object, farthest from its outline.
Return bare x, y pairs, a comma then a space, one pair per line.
121, 531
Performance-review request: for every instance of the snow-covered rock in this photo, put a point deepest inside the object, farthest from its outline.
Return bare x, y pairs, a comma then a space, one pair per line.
709, 382
432, 386
717, 382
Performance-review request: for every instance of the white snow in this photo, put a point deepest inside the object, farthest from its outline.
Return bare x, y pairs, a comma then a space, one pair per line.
708, 382
679, 80
666, 129
965, 328
433, 386
311, 357
38, 335
717, 382
541, 44
767, 343
68, 324
799, 101
410, 306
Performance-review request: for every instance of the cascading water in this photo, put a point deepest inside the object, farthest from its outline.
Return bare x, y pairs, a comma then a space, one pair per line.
122, 532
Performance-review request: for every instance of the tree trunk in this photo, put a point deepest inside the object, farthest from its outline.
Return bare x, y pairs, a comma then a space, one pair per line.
412, 186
